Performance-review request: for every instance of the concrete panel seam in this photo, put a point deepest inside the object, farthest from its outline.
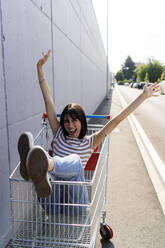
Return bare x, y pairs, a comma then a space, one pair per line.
26, 119
5, 238
86, 30
91, 31
53, 72
5, 89
97, 23
67, 37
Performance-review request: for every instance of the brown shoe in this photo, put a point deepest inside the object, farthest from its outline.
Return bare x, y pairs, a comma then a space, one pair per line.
37, 167
25, 143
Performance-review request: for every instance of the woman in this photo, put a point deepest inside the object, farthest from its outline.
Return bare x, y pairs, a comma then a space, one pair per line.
71, 147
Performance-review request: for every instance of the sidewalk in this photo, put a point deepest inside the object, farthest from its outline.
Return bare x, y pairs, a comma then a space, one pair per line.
133, 210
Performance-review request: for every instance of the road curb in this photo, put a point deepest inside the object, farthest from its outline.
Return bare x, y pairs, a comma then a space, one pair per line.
153, 163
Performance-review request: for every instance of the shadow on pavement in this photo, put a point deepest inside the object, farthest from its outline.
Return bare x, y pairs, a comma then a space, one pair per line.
106, 244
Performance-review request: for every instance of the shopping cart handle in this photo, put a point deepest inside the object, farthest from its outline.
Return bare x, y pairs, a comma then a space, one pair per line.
99, 116
87, 116
94, 116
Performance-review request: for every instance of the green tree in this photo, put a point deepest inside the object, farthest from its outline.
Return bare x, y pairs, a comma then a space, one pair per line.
128, 68
154, 69
146, 77
119, 76
162, 76
141, 73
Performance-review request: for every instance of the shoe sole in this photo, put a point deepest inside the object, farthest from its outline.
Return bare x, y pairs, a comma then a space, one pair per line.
25, 143
37, 167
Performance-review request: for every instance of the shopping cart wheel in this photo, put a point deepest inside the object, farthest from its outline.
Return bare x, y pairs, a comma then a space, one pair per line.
106, 231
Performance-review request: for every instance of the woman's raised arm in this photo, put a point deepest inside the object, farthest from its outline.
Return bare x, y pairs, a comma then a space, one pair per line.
108, 128
47, 95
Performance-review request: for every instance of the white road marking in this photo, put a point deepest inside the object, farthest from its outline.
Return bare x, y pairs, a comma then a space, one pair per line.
154, 164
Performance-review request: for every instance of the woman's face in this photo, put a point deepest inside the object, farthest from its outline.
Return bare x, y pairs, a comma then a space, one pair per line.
72, 126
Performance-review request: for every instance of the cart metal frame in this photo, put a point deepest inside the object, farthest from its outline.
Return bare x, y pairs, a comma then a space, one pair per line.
73, 225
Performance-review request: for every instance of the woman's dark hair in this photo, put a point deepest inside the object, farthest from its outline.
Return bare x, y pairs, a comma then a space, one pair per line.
75, 111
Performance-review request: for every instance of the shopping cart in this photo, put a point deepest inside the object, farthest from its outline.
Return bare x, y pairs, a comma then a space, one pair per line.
42, 223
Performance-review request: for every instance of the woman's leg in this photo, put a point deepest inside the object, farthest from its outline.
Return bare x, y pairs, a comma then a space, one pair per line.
25, 143
37, 165
70, 168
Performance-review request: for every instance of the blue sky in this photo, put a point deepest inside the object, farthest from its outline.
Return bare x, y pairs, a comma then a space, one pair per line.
136, 28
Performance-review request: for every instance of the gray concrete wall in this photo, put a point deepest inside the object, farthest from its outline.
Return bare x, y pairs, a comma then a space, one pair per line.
76, 72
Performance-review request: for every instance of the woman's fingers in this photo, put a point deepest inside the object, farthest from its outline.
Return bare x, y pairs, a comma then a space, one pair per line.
44, 59
155, 88
47, 55
152, 89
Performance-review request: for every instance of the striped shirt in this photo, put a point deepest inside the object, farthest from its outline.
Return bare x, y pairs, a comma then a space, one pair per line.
65, 146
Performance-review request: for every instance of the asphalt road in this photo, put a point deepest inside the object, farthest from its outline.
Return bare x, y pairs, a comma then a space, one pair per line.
151, 116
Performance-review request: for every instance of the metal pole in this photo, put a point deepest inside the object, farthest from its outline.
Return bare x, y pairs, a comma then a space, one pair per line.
107, 57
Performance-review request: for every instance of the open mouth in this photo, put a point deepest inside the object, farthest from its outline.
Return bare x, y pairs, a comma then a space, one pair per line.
72, 132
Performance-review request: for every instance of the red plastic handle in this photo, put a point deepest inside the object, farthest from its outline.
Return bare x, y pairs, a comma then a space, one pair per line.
44, 116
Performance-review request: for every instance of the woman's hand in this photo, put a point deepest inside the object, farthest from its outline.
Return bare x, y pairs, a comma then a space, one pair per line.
47, 95
151, 90
42, 61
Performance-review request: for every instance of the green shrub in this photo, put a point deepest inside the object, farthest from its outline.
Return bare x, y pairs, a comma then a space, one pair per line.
120, 82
